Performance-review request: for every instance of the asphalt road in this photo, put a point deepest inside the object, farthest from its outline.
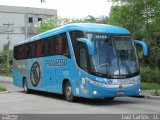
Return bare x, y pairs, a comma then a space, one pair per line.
18, 102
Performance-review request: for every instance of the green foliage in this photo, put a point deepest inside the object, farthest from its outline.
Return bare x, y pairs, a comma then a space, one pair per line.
7, 74
130, 14
52, 23
150, 86
119, 18
4, 58
55, 22
150, 75
2, 89
142, 19
154, 55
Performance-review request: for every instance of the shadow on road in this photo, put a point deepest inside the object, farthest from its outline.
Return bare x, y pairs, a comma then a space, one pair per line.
85, 101
103, 102
46, 94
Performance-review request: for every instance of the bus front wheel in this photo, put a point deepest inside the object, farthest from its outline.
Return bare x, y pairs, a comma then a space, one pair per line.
25, 87
111, 98
68, 92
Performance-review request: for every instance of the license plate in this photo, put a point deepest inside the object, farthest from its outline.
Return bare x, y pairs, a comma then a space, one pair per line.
120, 93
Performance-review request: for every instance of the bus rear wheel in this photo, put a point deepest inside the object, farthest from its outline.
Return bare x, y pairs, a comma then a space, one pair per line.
68, 92
25, 87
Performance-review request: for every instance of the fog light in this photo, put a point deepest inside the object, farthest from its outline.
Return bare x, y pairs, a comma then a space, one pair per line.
94, 92
139, 90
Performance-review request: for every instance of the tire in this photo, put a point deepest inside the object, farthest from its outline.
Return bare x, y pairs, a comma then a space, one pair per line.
112, 98
68, 92
25, 87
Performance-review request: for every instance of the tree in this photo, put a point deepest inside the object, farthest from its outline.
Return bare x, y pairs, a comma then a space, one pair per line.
128, 15
142, 18
6, 57
55, 22
91, 19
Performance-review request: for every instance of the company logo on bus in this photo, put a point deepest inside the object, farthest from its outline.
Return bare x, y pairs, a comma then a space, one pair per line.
35, 74
57, 62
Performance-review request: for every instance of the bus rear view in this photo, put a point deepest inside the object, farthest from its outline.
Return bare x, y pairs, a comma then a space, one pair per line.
102, 63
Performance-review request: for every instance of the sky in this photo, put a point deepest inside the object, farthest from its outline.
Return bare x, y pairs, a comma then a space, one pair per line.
67, 8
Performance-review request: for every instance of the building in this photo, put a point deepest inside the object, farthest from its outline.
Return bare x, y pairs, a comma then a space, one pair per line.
20, 23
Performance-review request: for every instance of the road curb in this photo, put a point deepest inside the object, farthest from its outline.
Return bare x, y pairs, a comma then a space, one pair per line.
5, 92
149, 94
147, 97
6, 79
153, 97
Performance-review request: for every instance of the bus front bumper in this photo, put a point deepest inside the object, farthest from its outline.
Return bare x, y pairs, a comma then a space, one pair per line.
97, 91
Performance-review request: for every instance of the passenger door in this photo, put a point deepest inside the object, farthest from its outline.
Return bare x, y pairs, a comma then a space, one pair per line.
83, 63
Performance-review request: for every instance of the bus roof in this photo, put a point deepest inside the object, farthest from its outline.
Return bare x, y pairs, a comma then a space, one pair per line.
87, 27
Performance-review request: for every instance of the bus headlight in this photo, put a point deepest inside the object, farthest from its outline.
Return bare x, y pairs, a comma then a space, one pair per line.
139, 90
94, 92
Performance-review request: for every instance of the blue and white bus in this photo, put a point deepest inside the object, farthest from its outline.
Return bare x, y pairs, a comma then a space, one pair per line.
79, 60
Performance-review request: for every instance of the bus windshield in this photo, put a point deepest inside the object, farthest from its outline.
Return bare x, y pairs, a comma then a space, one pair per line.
114, 56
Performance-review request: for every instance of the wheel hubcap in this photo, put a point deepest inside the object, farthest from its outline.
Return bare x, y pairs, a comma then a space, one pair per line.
25, 87
69, 92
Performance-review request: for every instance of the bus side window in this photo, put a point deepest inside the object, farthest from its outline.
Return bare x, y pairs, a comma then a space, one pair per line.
45, 48
19, 52
39, 48
31, 50
49, 47
27, 52
83, 58
74, 35
15, 54
62, 45
22, 52
59, 45
66, 50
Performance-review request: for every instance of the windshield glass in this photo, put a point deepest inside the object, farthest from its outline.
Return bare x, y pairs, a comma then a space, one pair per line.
114, 56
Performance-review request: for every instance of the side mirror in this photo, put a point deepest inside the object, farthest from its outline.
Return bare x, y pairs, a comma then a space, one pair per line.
89, 45
144, 46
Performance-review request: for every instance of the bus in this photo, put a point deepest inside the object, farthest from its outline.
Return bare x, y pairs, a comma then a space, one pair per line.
79, 60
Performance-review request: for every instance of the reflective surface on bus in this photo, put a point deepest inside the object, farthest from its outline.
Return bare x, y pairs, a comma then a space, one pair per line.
114, 56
